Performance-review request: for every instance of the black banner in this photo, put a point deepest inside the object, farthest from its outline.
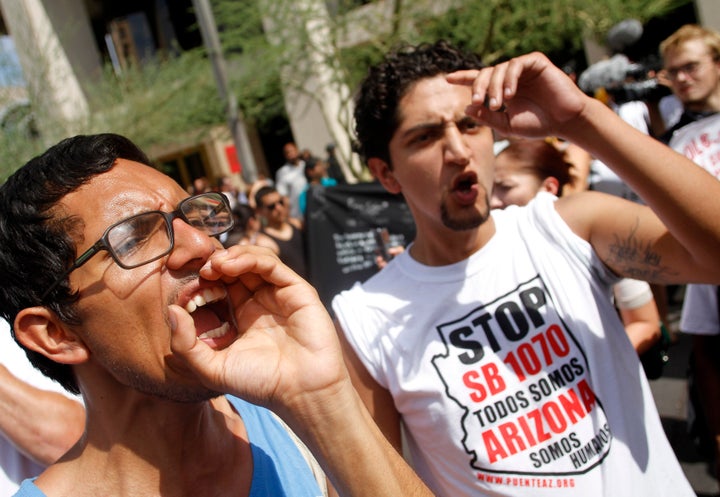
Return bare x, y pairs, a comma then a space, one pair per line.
341, 223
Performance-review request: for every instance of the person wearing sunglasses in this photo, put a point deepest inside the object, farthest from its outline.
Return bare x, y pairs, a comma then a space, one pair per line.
117, 287
286, 231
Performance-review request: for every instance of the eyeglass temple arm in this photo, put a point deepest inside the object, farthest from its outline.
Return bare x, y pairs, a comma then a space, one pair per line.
84, 257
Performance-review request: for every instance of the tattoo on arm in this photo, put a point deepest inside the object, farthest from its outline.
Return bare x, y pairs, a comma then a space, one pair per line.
637, 259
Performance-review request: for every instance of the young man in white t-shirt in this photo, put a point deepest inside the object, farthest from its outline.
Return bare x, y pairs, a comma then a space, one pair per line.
492, 337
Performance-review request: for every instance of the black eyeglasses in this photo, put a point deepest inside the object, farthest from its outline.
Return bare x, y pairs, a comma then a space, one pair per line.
146, 237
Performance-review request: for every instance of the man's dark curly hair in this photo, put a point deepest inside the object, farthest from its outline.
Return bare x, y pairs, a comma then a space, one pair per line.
376, 105
38, 240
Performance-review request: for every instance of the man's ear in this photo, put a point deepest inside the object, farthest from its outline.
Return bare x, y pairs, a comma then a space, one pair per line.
40, 330
550, 184
382, 172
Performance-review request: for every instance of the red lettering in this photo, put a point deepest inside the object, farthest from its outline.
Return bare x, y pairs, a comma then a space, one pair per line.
542, 435
542, 340
705, 140
526, 431
468, 380
491, 376
586, 394
571, 404
553, 416
492, 445
512, 439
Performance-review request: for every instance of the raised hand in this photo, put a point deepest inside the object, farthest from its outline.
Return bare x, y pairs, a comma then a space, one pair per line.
287, 347
525, 96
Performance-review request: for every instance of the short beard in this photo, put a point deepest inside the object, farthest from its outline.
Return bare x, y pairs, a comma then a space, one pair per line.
466, 222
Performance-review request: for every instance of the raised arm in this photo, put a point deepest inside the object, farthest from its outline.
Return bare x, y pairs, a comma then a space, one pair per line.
529, 96
289, 359
42, 425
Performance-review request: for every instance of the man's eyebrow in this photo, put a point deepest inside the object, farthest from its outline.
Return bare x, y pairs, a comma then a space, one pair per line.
467, 120
433, 126
428, 126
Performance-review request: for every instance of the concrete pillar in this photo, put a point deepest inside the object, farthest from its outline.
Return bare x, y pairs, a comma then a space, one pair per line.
708, 13
57, 52
317, 101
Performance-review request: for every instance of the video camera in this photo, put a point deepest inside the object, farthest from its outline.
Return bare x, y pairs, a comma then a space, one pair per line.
623, 80
640, 83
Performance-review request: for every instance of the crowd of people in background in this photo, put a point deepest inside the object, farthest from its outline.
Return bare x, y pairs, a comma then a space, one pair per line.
403, 377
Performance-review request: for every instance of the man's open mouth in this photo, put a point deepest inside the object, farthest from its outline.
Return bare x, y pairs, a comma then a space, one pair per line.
210, 310
465, 182
464, 188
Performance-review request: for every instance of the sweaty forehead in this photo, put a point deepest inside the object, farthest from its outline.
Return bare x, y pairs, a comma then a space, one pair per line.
434, 99
126, 189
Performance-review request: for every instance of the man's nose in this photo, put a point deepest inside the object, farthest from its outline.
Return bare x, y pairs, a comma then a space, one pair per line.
456, 149
192, 246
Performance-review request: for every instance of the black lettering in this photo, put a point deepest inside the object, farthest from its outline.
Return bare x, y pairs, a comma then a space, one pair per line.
574, 439
556, 379
512, 321
536, 396
478, 415
567, 372
533, 299
545, 387
555, 450
500, 409
577, 367
474, 348
483, 321
522, 400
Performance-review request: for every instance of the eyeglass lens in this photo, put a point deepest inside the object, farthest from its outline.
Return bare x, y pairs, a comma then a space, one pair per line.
148, 236
140, 238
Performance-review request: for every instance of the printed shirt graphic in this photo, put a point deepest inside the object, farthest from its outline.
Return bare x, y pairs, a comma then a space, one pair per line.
511, 370
528, 407
700, 142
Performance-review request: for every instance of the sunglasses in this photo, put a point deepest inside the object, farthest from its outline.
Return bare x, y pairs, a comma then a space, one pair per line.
272, 206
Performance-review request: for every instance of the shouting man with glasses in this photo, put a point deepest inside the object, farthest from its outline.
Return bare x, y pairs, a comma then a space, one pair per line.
691, 60
117, 288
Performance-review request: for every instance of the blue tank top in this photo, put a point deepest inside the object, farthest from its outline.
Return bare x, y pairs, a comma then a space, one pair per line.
279, 469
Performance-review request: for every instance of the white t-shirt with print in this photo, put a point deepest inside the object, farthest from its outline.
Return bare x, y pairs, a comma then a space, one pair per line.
511, 369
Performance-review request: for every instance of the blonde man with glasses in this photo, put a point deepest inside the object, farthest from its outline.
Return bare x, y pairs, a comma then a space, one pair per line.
692, 66
691, 60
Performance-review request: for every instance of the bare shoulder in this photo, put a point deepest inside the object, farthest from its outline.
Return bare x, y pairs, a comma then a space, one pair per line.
262, 240
587, 211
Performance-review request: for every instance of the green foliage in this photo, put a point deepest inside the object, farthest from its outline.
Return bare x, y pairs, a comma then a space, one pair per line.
253, 63
158, 102
16, 148
500, 29
163, 102
176, 99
